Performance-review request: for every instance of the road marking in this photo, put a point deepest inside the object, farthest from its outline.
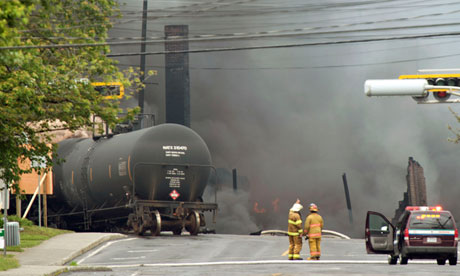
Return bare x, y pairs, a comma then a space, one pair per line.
278, 262
101, 248
142, 251
128, 258
135, 273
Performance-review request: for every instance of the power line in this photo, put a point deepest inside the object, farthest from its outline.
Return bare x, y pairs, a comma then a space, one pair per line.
272, 33
298, 31
286, 45
202, 38
407, 18
316, 67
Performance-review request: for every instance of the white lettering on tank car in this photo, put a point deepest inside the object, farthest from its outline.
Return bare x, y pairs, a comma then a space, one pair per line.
175, 172
175, 176
174, 182
174, 147
122, 168
174, 151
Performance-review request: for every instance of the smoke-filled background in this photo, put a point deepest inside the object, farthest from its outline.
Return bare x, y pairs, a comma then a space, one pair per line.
292, 120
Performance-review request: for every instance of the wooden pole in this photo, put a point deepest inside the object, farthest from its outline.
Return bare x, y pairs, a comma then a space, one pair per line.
39, 200
45, 204
18, 205
5, 218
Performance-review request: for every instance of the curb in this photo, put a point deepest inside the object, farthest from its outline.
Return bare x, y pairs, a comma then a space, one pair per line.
78, 269
113, 236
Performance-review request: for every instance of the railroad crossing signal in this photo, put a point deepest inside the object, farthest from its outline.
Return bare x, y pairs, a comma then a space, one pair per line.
441, 95
441, 86
110, 90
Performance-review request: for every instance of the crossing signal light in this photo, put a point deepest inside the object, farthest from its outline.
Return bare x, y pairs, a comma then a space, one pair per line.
110, 90
440, 94
452, 82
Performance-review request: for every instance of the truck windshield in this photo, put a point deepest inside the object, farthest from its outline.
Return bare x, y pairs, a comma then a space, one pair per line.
431, 220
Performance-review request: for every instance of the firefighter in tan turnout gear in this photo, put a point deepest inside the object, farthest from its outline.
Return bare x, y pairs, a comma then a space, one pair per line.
295, 231
313, 227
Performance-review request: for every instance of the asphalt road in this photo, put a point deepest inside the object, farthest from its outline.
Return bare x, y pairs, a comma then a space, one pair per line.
241, 255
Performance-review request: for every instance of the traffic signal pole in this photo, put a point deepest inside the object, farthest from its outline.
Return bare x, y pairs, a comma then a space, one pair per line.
418, 89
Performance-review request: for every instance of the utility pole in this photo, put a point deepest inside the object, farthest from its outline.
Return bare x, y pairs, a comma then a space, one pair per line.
143, 49
39, 199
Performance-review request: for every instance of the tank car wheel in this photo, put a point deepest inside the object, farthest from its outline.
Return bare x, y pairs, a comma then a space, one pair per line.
194, 226
156, 223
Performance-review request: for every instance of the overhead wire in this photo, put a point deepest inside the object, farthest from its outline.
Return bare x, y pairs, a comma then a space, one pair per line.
268, 34
297, 32
288, 45
335, 26
312, 28
348, 53
303, 8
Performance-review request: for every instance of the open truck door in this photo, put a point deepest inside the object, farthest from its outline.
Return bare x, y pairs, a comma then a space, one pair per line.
379, 234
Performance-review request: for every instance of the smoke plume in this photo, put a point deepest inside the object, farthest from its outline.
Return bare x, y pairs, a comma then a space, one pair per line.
293, 120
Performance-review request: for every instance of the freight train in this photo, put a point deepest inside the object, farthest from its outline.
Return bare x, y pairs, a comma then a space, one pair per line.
148, 180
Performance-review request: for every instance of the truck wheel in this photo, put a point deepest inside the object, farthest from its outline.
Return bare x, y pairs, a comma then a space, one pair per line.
392, 260
193, 223
441, 261
155, 229
453, 261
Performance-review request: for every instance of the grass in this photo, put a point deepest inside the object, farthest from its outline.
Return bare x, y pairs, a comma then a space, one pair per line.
30, 237
34, 235
8, 262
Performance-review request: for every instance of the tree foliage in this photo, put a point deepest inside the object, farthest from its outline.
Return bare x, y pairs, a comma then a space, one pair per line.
40, 89
456, 132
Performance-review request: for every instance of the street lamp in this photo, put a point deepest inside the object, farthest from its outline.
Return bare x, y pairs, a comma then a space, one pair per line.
418, 89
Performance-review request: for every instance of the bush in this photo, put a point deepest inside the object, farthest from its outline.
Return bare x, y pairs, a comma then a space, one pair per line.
22, 222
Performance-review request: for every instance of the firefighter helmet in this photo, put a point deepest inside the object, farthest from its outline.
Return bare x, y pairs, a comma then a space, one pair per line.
296, 207
313, 207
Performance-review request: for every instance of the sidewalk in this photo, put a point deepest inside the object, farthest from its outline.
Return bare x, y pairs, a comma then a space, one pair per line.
51, 255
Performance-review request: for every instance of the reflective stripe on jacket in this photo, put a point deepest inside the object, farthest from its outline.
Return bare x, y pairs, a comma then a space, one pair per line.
313, 225
295, 224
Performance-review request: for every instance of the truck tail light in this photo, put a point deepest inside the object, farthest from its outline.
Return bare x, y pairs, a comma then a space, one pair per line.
456, 238
406, 236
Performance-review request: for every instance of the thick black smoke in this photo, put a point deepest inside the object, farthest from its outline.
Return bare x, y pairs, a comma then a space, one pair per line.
293, 120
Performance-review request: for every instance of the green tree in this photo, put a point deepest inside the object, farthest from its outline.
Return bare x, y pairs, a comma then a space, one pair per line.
40, 89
